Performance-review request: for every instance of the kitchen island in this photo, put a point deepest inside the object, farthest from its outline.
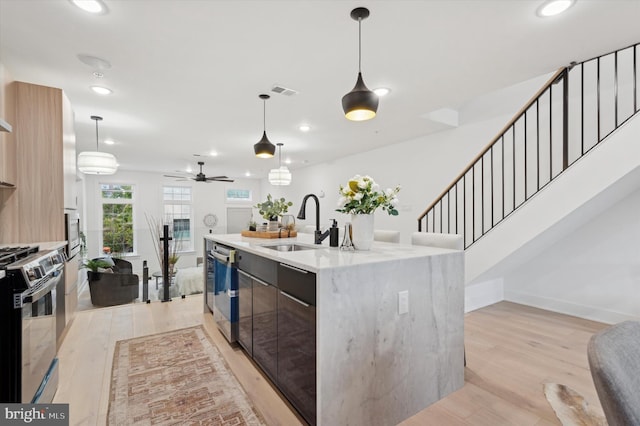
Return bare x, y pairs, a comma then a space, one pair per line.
388, 326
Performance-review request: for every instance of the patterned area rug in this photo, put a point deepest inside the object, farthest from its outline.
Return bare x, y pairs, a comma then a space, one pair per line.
175, 378
571, 408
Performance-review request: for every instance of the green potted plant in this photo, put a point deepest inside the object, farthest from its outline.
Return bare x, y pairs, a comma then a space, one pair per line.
272, 209
92, 265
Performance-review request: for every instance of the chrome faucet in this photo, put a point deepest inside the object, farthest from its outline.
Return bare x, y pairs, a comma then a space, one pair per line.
318, 235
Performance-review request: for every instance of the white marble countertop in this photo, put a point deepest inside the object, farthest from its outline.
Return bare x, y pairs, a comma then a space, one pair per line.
323, 256
51, 245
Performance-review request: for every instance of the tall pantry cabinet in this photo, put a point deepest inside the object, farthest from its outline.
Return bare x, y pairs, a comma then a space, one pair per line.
41, 149
43, 139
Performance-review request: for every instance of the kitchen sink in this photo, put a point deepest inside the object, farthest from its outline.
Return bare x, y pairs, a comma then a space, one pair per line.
289, 247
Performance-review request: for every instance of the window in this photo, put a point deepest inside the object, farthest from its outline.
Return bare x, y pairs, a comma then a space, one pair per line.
178, 215
117, 217
238, 195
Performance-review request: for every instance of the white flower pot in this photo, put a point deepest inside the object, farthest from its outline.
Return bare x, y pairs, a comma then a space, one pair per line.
362, 231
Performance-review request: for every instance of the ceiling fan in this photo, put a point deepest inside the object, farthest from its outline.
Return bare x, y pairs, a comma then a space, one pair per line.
200, 177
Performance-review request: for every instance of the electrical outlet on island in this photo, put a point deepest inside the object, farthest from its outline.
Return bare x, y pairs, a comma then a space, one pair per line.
403, 302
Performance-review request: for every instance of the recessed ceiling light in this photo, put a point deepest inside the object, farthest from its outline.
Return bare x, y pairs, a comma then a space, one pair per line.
101, 90
287, 161
92, 6
247, 174
213, 154
381, 91
109, 142
304, 127
188, 169
554, 7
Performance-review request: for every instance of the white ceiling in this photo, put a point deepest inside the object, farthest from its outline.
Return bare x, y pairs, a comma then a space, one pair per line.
186, 74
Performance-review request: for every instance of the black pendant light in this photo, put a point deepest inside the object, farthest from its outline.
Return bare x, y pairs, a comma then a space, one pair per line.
264, 148
360, 103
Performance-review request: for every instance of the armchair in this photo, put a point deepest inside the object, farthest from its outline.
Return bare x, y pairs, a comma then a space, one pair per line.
614, 361
122, 266
114, 288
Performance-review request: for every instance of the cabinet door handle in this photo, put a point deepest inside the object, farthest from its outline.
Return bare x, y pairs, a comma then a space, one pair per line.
254, 278
245, 274
295, 299
302, 271
261, 282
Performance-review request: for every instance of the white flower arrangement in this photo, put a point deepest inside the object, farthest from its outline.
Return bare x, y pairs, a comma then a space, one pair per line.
362, 195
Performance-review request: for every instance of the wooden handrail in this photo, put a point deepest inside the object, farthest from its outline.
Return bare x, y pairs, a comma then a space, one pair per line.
511, 122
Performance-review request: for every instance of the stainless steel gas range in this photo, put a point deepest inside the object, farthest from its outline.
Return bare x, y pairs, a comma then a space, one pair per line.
28, 363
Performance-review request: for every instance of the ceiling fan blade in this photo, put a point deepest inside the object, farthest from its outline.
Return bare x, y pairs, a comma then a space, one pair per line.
174, 176
219, 180
217, 177
185, 172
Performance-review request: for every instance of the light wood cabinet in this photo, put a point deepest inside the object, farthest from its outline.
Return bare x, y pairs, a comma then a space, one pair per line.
42, 119
7, 151
69, 156
6, 177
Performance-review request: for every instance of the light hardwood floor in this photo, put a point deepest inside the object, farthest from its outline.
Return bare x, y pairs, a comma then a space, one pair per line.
512, 350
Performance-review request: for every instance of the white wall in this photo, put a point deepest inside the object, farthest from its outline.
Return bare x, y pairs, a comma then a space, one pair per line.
592, 273
207, 198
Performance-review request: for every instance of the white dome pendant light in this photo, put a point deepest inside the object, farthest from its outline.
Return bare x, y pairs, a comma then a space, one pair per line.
360, 103
280, 176
95, 162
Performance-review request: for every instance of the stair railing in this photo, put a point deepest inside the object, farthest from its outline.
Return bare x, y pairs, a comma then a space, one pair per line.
578, 107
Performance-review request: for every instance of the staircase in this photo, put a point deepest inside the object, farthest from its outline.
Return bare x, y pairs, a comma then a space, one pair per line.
549, 170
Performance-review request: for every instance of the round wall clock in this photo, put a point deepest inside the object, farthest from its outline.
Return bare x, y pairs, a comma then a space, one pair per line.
210, 220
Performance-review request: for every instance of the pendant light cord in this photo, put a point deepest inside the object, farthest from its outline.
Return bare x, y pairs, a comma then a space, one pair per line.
279, 155
359, 44
264, 115
97, 150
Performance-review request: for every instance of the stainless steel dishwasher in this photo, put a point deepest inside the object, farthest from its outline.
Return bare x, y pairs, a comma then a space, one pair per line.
222, 278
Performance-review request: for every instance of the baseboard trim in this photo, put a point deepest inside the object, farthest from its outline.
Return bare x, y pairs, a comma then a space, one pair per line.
593, 313
485, 293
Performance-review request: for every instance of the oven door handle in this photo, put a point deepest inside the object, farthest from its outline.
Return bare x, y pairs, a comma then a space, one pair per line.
42, 291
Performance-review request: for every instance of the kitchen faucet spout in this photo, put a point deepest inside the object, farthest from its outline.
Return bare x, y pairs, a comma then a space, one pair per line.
318, 235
